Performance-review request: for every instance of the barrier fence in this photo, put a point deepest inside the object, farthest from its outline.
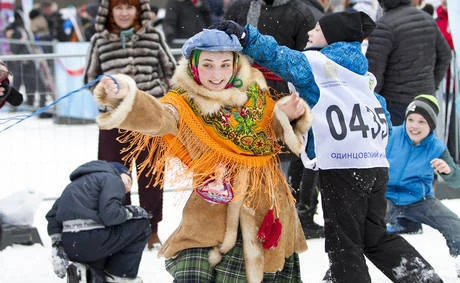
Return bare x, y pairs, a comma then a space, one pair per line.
40, 153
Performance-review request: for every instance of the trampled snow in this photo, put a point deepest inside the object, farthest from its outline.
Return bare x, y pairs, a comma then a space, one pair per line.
39, 155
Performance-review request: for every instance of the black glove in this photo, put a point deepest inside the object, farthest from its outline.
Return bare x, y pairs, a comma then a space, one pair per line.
137, 212
59, 257
13, 96
232, 27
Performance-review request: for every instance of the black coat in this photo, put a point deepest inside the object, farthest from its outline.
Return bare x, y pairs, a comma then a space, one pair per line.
407, 53
96, 192
288, 21
183, 19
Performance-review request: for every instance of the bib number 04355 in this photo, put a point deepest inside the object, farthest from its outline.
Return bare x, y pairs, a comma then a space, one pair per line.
376, 124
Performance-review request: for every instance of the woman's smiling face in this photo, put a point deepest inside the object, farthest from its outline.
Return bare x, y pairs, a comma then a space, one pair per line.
215, 68
124, 15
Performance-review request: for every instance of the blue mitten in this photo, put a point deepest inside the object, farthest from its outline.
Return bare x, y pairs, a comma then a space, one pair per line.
59, 257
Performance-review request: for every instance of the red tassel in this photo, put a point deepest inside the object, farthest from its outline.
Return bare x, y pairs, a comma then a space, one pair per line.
275, 234
266, 226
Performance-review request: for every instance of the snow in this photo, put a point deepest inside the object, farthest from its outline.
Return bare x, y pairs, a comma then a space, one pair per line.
38, 155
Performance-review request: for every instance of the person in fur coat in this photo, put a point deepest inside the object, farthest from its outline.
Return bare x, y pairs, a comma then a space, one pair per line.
126, 42
240, 222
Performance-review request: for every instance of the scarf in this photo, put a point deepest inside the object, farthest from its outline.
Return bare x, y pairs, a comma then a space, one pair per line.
239, 139
126, 34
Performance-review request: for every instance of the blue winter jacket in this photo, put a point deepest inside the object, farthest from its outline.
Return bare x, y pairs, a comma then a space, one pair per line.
293, 66
96, 192
410, 173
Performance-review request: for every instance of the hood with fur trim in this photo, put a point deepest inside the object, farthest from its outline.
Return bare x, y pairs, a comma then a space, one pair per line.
211, 101
103, 11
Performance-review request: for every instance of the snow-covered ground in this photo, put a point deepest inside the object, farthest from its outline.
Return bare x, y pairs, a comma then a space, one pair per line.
38, 154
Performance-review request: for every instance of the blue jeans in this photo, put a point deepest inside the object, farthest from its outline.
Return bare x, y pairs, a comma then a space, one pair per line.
433, 213
116, 249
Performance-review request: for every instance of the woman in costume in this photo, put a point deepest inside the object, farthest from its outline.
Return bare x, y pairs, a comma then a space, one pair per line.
240, 221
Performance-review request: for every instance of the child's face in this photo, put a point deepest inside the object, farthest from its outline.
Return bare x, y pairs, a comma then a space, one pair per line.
127, 181
316, 37
215, 69
417, 128
124, 15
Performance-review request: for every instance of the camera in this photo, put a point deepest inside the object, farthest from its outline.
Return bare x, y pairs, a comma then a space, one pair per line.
11, 95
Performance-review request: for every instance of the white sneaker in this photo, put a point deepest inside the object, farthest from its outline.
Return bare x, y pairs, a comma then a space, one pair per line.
457, 265
110, 278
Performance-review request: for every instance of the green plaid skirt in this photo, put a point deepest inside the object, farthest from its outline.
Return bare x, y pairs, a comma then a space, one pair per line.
191, 265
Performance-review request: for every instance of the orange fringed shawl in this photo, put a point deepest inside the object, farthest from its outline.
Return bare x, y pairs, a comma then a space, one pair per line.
238, 138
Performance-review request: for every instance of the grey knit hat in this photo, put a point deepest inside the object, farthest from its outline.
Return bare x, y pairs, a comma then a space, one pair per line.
427, 106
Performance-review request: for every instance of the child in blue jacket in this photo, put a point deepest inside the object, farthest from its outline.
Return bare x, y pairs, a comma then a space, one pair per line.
350, 132
414, 152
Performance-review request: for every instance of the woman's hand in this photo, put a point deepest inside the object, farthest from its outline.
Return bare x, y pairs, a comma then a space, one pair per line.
114, 88
440, 166
293, 107
2, 91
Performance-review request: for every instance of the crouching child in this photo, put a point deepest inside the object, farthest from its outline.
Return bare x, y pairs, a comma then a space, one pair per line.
89, 224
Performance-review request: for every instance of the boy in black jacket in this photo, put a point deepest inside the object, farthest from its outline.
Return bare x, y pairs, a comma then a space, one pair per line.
89, 224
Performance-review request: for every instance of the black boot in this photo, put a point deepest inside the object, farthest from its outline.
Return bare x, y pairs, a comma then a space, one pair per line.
306, 204
311, 230
77, 272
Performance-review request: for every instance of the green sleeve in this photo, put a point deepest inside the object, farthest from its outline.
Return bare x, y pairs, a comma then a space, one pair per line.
452, 179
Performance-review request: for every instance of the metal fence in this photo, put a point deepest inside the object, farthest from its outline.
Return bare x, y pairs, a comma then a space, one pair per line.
45, 76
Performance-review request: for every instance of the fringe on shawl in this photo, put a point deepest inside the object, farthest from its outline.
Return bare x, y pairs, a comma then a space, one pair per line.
255, 177
263, 183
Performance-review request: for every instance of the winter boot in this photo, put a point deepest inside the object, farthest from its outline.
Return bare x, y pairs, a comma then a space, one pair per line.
95, 276
311, 230
153, 239
110, 278
327, 277
76, 273
400, 229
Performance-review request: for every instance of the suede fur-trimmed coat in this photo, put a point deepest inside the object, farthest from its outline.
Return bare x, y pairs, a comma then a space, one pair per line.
236, 129
143, 55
